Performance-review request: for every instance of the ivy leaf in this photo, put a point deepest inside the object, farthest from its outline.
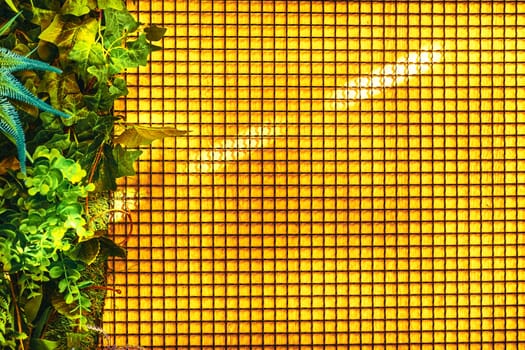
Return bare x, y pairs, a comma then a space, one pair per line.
136, 54
118, 22
115, 162
137, 135
118, 88
64, 92
42, 17
125, 160
154, 33
66, 34
106, 173
75, 7
101, 100
87, 53
99, 72
139, 51
111, 4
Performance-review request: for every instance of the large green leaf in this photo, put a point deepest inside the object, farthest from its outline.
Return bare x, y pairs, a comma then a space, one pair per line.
42, 17
64, 92
87, 53
125, 160
76, 7
106, 173
118, 88
110, 248
136, 54
138, 135
60, 305
86, 251
119, 23
101, 99
65, 34
32, 306
154, 33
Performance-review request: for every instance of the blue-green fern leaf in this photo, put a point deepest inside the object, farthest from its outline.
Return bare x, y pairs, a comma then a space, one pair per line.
13, 62
12, 88
10, 125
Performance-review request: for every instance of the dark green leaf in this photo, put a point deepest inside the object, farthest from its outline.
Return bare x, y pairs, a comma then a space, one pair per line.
61, 306
101, 100
32, 306
139, 51
41, 321
119, 22
110, 248
9, 41
154, 33
125, 160
118, 88
136, 54
86, 251
106, 173
137, 135
64, 92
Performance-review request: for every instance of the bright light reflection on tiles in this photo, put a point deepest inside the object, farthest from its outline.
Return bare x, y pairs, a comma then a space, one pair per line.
359, 88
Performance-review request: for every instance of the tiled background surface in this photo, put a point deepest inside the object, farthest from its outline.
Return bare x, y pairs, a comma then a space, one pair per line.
285, 219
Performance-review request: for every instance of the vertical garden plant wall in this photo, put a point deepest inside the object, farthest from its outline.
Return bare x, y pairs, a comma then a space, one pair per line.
61, 65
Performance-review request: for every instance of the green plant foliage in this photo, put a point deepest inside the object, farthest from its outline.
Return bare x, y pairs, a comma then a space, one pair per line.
137, 135
54, 215
50, 228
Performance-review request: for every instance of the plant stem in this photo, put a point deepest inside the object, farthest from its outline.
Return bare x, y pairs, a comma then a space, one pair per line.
17, 309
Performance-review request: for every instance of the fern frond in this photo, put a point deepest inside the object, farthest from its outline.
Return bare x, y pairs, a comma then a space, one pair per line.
10, 125
12, 88
13, 62
6, 319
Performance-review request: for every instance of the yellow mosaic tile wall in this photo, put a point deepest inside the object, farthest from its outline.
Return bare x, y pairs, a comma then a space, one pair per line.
354, 177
